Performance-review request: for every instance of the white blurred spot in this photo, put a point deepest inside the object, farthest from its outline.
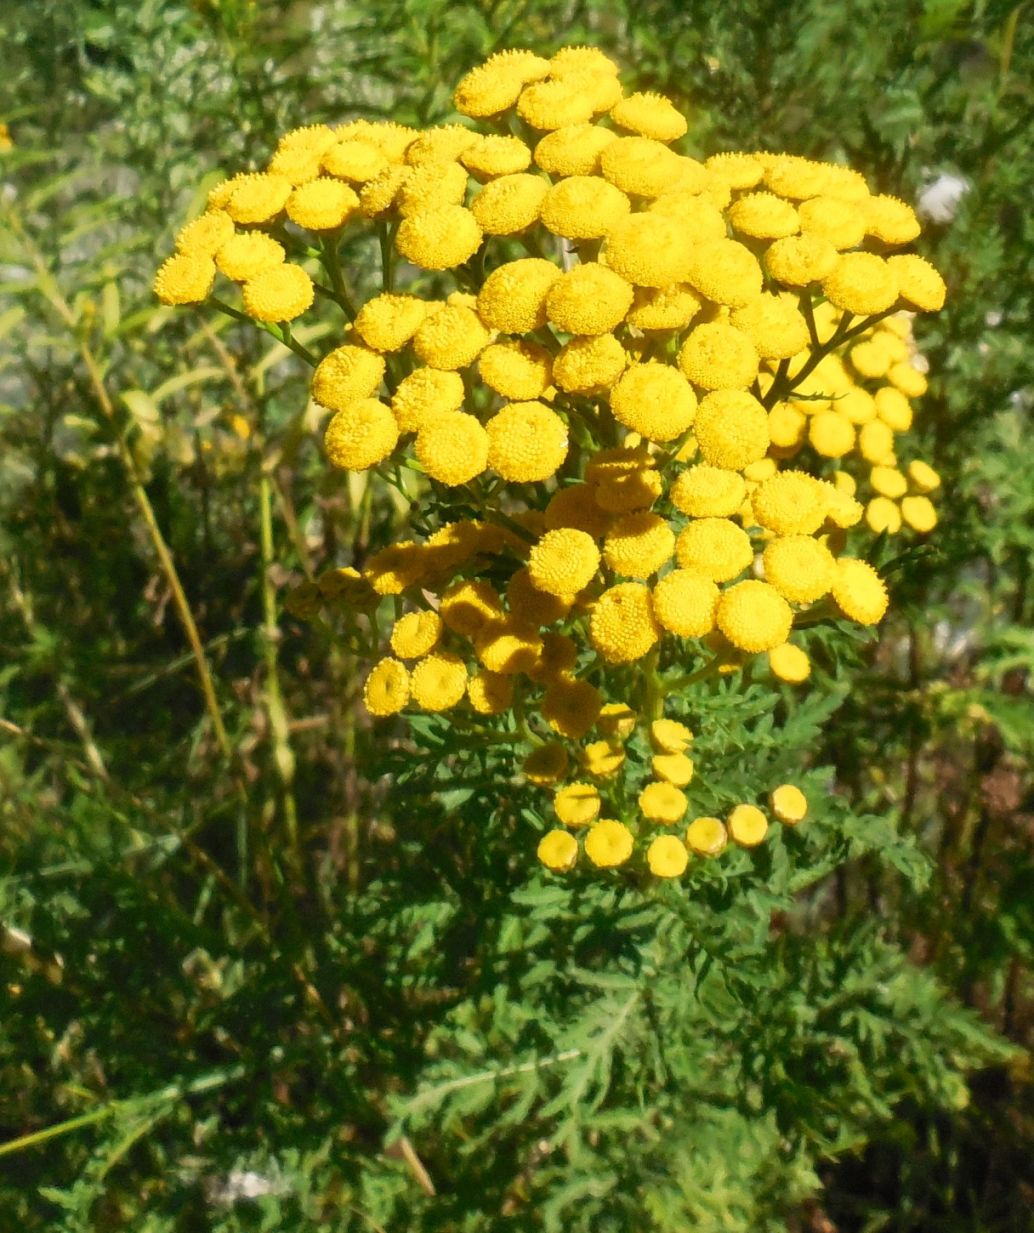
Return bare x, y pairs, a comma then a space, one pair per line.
939, 199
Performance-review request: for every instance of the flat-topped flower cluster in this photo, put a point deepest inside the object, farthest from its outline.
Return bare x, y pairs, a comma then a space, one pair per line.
667, 399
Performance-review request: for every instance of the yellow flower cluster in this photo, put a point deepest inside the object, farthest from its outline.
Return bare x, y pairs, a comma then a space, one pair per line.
674, 389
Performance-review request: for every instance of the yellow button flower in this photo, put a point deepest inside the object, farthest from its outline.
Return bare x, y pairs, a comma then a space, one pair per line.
589, 365
549, 105
706, 836
799, 260
650, 115
790, 503
496, 155
452, 447
800, 568
839, 222
573, 150
789, 804
531, 606
787, 427
527, 442
663, 802
184, 279
622, 627
638, 544
774, 324
617, 720
754, 616
416, 634
493, 87
506, 647
673, 768
714, 548
563, 561
889, 219
467, 607
893, 408
624, 492
440, 238
510, 204
323, 204
577, 804
876, 443
257, 198
908, 379
361, 435
424, 393
718, 356
831, 434
650, 250
571, 707
731, 429
764, 216
279, 293
546, 765
205, 236
703, 491
747, 826
603, 758
639, 166
355, 160
516, 369
663, 308
576, 508
608, 844
789, 663
882, 514
667, 857
923, 477
439, 681
558, 850
490, 693
686, 603
919, 284
388, 322
795, 177
725, 271
654, 400
670, 736
348, 373
393, 569
583, 208
245, 255
736, 169
386, 690
450, 337
378, 196
589, 299
861, 283
919, 513
513, 298
859, 591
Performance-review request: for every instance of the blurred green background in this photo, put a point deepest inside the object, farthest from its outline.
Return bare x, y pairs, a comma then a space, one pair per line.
173, 1053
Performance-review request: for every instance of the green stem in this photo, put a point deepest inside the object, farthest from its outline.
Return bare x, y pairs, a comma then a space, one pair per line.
283, 755
332, 264
691, 678
282, 333
386, 239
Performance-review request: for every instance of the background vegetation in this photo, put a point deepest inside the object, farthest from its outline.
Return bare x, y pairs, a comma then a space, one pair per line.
262, 970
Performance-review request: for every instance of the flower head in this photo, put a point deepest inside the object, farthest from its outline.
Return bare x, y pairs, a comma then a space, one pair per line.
608, 844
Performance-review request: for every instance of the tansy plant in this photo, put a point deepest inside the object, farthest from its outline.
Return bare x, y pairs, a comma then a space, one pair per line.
649, 413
